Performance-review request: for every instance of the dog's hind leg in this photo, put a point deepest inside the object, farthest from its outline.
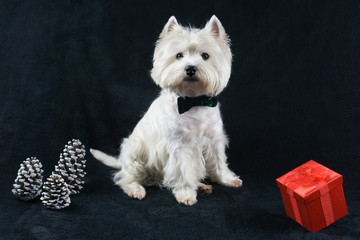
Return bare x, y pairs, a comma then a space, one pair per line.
204, 189
131, 176
130, 185
217, 166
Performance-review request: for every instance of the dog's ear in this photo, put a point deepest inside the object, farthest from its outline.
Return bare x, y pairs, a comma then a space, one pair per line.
216, 29
170, 26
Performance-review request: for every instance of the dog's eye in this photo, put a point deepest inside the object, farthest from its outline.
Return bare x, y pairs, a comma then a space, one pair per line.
205, 56
179, 55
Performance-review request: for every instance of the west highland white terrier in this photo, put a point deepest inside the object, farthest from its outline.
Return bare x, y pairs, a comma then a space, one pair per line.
180, 141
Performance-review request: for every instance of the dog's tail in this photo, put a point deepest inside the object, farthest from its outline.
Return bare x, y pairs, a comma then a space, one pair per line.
106, 159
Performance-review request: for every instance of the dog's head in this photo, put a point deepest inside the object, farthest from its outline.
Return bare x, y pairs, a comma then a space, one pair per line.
191, 61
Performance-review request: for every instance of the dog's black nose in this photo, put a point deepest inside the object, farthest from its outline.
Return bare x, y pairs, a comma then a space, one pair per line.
190, 70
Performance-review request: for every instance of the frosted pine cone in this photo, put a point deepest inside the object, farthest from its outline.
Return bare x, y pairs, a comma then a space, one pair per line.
56, 194
29, 179
71, 165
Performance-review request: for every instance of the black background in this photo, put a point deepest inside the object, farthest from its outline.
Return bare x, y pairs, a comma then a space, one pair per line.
80, 69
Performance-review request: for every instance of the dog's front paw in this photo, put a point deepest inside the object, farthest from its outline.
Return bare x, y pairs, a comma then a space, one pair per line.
187, 197
237, 182
137, 192
186, 200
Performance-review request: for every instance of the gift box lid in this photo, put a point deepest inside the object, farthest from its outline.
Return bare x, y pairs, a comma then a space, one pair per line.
309, 181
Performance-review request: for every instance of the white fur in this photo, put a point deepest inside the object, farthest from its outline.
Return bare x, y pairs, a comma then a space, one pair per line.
177, 150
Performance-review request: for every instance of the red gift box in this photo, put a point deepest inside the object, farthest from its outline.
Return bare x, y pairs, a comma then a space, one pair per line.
313, 195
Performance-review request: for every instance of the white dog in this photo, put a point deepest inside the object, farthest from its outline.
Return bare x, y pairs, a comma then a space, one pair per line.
180, 141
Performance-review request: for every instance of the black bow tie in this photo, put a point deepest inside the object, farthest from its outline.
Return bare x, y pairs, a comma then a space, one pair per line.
186, 103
